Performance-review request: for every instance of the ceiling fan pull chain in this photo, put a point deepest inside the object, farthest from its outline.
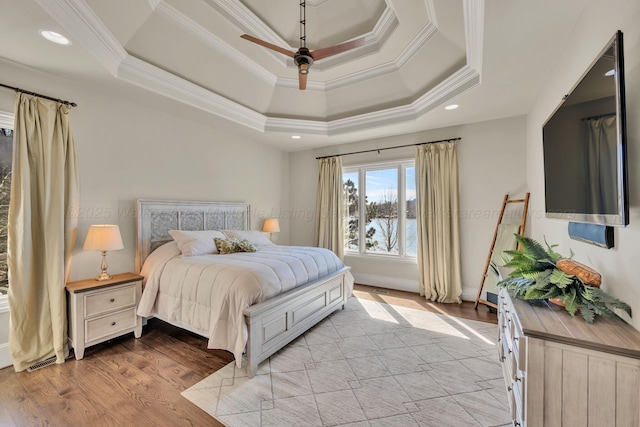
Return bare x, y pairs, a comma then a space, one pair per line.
303, 23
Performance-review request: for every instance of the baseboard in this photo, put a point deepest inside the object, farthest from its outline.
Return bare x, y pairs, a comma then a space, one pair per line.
468, 294
386, 282
5, 356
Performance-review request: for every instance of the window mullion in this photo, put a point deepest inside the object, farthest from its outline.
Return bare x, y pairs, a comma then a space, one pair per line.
362, 247
402, 211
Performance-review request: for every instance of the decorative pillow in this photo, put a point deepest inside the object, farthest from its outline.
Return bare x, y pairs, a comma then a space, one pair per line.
194, 243
256, 237
230, 246
246, 246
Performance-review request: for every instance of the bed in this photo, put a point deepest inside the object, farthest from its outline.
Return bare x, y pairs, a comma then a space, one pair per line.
261, 323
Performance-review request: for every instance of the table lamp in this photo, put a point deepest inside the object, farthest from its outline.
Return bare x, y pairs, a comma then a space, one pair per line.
103, 238
271, 226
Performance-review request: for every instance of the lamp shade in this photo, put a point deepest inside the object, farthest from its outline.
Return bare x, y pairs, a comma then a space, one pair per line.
271, 225
103, 237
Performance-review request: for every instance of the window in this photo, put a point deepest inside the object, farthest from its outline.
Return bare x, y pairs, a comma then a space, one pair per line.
380, 210
6, 152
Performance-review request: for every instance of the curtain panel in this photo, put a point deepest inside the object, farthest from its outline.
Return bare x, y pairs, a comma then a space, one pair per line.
438, 222
329, 232
44, 188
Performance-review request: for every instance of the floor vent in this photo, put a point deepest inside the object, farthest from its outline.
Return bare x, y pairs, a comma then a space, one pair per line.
381, 291
49, 361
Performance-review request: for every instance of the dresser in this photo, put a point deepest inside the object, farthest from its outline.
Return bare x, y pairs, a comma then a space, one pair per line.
563, 372
102, 310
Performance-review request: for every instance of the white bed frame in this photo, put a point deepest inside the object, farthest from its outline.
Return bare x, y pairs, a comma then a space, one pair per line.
273, 323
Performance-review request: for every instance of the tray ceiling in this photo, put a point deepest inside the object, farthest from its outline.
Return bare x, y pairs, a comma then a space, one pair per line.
418, 56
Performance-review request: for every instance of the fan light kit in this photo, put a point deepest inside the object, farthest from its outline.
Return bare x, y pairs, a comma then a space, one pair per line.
304, 58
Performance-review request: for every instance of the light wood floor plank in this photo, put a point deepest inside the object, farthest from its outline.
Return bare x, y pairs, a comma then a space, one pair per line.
138, 382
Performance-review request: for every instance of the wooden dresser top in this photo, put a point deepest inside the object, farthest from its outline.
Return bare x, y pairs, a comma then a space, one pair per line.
550, 322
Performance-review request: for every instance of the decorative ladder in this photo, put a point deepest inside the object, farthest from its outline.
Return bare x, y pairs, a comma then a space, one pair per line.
523, 223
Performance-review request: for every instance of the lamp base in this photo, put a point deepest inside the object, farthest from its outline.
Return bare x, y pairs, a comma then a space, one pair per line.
104, 276
103, 267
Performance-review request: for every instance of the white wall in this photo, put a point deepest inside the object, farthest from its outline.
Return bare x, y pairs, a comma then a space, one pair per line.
135, 145
491, 162
596, 25
129, 148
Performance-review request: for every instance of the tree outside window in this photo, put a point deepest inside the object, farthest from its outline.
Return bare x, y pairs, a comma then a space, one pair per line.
389, 226
6, 153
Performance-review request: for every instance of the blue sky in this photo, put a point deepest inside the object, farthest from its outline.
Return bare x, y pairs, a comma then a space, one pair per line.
379, 181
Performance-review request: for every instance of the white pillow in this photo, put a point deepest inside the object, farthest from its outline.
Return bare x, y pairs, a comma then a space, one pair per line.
194, 243
254, 236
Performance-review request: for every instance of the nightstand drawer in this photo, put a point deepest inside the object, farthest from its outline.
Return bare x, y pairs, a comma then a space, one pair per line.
109, 300
111, 324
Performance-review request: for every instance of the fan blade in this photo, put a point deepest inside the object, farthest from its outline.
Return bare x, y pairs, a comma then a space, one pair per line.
268, 45
302, 80
334, 50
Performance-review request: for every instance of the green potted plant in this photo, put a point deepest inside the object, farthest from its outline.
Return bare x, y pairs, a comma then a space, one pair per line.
540, 273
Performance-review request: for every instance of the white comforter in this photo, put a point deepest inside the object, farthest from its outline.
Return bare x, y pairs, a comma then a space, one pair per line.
209, 292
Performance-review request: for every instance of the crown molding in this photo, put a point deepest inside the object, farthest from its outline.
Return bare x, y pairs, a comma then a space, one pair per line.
431, 11
474, 32
459, 82
418, 42
154, 4
189, 26
6, 120
374, 40
150, 77
246, 21
81, 22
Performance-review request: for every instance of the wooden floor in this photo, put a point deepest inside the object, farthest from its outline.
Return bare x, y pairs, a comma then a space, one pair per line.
130, 381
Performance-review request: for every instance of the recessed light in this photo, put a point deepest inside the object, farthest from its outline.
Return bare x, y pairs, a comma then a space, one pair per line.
610, 73
54, 37
295, 137
451, 107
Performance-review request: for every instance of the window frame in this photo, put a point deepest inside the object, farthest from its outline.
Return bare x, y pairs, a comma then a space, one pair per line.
361, 169
6, 122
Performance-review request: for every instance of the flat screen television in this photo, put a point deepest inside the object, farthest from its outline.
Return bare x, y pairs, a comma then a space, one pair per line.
584, 145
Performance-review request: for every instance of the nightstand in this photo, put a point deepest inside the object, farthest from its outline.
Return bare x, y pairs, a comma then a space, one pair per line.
102, 310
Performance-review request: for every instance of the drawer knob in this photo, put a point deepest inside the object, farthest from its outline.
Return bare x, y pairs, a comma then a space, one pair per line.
509, 388
113, 323
112, 300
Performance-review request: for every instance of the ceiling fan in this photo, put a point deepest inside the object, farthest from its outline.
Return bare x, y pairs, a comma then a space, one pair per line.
304, 58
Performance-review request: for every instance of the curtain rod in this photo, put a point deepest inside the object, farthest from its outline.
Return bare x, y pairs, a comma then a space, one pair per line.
72, 104
388, 148
597, 117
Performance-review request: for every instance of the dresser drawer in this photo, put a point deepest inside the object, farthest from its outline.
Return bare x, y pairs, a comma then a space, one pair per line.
109, 300
111, 324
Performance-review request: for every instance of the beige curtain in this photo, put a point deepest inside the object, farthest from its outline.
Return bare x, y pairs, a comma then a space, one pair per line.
329, 231
438, 222
44, 188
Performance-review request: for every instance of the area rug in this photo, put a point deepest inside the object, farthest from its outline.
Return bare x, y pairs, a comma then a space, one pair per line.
373, 364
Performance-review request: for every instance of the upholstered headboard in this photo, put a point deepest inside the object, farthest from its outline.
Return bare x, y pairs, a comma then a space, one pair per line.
156, 217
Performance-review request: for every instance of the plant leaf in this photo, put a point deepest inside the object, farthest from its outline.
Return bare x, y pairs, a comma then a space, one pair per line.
561, 279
